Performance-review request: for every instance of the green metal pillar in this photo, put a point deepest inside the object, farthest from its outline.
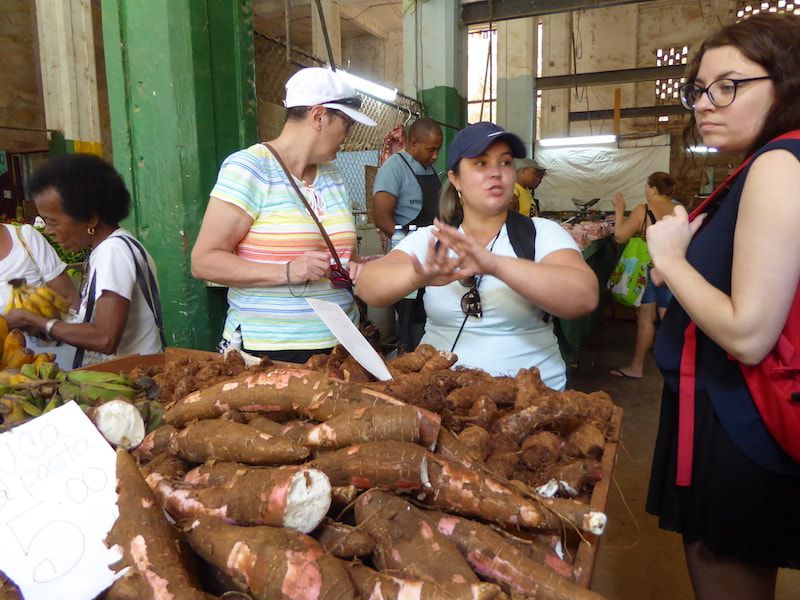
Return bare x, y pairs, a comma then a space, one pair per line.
435, 64
181, 88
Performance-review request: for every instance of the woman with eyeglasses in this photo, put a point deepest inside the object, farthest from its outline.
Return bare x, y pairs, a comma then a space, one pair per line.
279, 227
483, 302
82, 200
718, 477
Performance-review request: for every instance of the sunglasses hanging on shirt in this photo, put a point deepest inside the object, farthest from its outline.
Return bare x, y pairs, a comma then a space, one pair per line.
471, 300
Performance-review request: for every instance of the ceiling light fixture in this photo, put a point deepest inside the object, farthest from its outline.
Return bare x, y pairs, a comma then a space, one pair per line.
585, 140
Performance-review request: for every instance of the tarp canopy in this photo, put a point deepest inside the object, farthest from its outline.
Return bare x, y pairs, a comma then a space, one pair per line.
586, 172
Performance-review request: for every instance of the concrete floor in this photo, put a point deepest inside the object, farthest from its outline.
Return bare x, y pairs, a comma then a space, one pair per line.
636, 560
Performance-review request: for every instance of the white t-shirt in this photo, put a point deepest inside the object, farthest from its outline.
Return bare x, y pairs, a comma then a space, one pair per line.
112, 263
18, 264
512, 334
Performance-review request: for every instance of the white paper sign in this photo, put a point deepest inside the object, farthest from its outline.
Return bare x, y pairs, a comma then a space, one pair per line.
58, 501
348, 334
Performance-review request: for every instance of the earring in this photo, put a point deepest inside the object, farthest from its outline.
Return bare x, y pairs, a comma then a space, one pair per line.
458, 193
90, 230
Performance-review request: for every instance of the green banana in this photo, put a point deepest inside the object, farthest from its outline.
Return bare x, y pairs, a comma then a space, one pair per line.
29, 371
69, 391
29, 407
54, 402
48, 370
99, 377
107, 391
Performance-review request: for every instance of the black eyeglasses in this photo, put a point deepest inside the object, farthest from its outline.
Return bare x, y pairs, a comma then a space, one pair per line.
721, 93
353, 101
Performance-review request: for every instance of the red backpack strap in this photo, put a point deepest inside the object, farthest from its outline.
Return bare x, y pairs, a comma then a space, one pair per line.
686, 386
686, 406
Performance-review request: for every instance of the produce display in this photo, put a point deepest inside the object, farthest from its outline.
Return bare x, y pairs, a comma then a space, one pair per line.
316, 482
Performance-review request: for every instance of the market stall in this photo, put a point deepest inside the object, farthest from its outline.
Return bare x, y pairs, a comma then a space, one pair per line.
321, 440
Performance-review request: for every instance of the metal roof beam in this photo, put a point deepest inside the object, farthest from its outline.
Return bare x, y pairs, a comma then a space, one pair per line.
556, 82
628, 113
474, 13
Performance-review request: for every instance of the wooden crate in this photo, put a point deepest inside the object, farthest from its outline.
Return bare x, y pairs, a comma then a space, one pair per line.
587, 548
128, 363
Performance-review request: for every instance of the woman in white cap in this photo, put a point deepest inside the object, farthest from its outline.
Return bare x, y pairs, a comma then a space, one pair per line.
494, 275
279, 228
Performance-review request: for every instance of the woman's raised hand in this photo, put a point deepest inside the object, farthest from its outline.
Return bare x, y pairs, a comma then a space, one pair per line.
309, 266
438, 268
476, 258
669, 238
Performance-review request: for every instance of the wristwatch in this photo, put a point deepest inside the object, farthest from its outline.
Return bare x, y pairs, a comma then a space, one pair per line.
48, 328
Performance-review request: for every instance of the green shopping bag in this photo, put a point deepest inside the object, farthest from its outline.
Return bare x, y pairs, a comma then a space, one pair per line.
629, 278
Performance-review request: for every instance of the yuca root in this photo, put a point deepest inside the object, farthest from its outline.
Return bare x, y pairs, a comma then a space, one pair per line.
343, 541
469, 493
219, 439
271, 562
297, 431
494, 558
285, 392
378, 423
296, 497
558, 511
477, 541
149, 544
394, 465
373, 584
155, 442
405, 543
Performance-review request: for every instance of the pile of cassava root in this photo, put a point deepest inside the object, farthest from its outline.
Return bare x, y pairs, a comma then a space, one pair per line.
314, 482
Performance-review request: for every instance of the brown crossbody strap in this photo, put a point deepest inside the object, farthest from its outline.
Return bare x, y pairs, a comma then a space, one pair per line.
307, 205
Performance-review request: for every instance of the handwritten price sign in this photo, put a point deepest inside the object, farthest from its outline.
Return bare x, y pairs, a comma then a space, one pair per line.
57, 503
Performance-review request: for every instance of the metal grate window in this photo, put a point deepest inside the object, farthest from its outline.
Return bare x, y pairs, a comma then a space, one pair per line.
747, 9
667, 89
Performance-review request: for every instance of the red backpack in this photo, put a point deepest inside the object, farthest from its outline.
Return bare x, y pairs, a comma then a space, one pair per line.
774, 383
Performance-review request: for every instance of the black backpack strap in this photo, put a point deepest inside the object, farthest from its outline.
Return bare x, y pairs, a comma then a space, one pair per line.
147, 284
87, 317
521, 234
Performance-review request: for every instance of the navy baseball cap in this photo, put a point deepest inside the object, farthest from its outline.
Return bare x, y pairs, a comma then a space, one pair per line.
474, 139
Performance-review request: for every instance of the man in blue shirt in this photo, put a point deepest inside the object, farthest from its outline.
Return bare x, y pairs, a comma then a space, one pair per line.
406, 192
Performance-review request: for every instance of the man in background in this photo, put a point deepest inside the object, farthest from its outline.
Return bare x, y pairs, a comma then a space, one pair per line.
406, 192
529, 176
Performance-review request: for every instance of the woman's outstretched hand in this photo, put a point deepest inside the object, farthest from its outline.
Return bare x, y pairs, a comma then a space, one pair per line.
475, 257
438, 268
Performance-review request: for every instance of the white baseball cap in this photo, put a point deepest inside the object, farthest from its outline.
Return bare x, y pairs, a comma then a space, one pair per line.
316, 86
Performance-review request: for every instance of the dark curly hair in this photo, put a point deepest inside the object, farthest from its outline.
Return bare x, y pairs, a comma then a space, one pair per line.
773, 41
88, 186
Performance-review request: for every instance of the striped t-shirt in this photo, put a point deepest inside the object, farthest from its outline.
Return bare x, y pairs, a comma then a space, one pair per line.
282, 230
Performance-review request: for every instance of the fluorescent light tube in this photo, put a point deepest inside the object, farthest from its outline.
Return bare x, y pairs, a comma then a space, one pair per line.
579, 140
368, 87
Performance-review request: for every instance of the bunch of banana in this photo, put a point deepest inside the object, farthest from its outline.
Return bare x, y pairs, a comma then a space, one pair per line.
29, 392
41, 300
15, 353
94, 387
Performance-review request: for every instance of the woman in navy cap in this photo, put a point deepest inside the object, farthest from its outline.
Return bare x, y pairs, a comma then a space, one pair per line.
483, 301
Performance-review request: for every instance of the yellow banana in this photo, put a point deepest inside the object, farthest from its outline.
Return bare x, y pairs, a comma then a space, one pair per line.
45, 292
10, 410
43, 307
21, 356
3, 330
13, 342
17, 300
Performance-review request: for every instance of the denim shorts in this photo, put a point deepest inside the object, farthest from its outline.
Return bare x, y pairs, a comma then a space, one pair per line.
660, 296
